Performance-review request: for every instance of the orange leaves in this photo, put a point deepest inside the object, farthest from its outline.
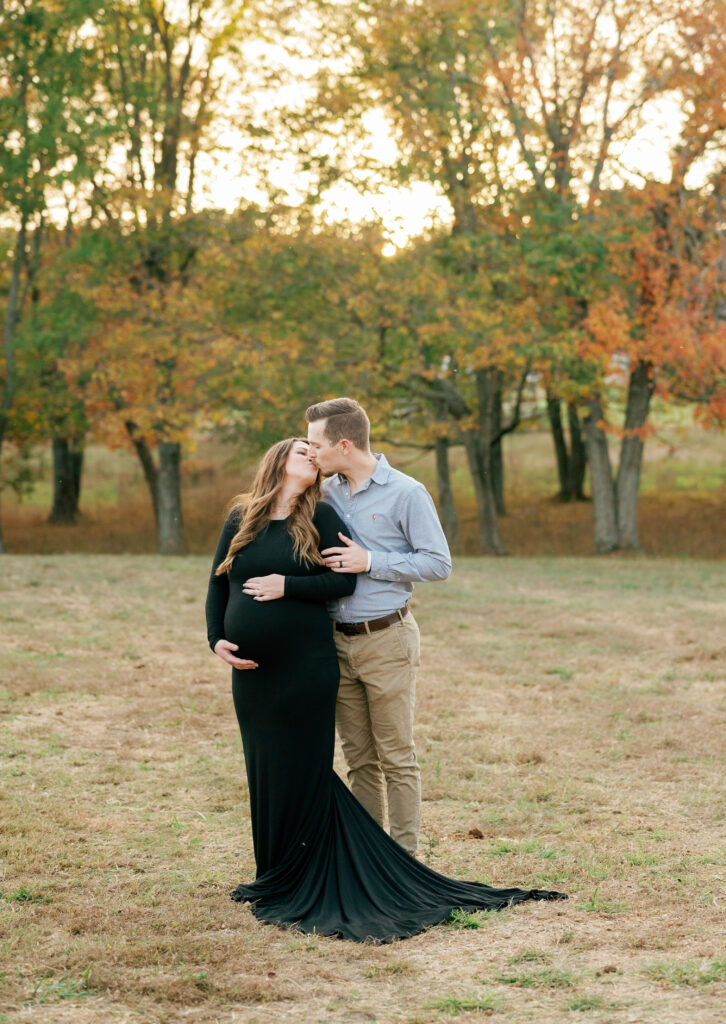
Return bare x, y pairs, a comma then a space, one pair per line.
150, 351
607, 329
647, 430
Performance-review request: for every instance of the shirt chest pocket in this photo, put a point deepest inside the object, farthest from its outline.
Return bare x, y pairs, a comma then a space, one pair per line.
382, 526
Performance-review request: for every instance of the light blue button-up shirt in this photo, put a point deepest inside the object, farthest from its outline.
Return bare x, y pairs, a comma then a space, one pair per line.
392, 516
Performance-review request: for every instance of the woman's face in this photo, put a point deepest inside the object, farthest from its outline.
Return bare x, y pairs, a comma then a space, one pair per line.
299, 468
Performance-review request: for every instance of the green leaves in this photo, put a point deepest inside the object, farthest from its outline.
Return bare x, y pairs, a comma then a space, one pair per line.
47, 123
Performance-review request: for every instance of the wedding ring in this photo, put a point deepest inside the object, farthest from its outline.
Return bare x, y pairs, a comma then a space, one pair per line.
340, 565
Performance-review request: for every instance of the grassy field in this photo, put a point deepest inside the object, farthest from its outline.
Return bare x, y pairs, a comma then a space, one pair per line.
682, 510
570, 727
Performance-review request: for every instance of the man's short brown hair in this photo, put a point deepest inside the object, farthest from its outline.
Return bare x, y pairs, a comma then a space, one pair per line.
345, 418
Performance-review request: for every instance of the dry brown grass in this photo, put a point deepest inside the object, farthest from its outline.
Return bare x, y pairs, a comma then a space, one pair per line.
570, 729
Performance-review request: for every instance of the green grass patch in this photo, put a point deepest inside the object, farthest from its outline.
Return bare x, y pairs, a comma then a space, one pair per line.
456, 1005
585, 1002
463, 920
52, 990
547, 978
687, 973
505, 847
640, 859
563, 673
596, 904
501, 848
25, 895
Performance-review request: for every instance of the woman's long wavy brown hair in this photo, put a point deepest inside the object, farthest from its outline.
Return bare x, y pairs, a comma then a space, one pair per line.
254, 508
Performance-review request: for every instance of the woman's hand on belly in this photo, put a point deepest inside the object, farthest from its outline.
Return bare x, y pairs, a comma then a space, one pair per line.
224, 649
265, 588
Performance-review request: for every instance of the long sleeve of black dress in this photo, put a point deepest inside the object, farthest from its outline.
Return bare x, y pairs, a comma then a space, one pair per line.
218, 589
324, 585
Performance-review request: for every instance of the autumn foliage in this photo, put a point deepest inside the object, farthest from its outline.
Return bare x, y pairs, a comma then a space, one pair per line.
561, 282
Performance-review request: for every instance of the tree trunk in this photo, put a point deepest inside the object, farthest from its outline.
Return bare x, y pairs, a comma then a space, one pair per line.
572, 462
497, 461
577, 463
12, 315
487, 382
601, 479
490, 540
447, 508
67, 469
640, 391
170, 529
561, 453
146, 459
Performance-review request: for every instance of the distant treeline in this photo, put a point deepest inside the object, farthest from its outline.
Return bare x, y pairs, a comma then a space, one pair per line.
135, 316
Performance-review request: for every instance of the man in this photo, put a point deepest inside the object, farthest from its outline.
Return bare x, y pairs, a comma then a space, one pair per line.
396, 540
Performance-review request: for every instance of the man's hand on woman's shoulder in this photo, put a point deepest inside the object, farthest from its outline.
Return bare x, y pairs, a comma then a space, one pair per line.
349, 557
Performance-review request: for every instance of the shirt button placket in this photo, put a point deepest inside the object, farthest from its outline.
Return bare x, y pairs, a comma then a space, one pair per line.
351, 499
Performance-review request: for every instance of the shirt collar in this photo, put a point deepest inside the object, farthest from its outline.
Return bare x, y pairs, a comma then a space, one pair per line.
380, 474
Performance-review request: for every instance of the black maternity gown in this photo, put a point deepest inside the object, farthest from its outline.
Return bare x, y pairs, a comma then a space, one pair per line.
323, 864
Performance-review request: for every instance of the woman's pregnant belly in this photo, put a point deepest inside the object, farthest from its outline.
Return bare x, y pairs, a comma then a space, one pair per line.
280, 630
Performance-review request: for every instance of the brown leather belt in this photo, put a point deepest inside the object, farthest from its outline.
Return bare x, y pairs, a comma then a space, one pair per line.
372, 625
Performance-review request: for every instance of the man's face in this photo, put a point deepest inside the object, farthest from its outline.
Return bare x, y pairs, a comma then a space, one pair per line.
326, 456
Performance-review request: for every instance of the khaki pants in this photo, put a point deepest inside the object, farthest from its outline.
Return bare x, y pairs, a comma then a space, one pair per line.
374, 717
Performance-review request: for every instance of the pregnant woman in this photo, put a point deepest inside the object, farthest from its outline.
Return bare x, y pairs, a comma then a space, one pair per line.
323, 864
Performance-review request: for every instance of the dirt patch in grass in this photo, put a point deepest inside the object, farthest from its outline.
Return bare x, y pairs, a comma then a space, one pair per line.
569, 724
